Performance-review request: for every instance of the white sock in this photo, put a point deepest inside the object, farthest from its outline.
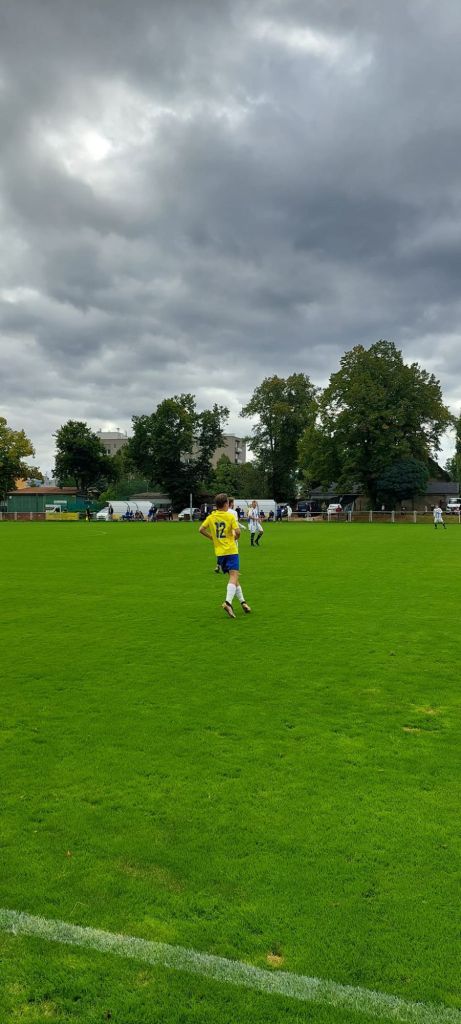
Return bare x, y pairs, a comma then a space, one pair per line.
239, 595
231, 588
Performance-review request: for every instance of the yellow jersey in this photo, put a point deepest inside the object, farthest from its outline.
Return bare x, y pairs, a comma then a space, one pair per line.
221, 526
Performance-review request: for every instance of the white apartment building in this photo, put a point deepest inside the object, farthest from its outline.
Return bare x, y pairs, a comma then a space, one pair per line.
234, 447
112, 440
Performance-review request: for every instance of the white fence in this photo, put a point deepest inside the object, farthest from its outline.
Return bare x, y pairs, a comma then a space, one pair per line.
391, 516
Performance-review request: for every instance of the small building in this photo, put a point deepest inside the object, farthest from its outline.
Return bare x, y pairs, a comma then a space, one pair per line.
438, 491
35, 499
112, 440
351, 498
234, 447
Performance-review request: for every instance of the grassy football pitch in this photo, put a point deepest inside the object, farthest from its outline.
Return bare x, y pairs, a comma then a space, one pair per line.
281, 790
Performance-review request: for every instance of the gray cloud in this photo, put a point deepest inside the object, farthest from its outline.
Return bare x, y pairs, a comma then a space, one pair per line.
195, 195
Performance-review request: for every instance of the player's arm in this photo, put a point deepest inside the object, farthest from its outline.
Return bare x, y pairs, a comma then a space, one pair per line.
236, 531
205, 532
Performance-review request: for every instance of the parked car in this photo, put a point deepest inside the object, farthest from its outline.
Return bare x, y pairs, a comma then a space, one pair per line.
334, 509
189, 513
161, 515
453, 508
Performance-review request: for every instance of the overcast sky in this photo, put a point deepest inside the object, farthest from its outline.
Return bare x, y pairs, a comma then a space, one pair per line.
195, 194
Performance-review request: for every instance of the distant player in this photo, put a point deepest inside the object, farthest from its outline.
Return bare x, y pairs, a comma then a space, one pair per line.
221, 527
438, 517
254, 524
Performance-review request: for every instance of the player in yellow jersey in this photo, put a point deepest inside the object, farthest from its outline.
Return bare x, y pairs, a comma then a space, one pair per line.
221, 527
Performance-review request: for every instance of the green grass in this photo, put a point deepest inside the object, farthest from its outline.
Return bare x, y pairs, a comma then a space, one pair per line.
286, 783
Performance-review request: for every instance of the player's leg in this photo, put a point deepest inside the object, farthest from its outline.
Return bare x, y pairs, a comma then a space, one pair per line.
259, 534
234, 590
230, 592
239, 595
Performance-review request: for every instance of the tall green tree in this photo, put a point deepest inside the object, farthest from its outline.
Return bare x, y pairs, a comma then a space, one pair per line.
285, 407
453, 466
403, 481
174, 445
243, 480
81, 458
376, 410
15, 447
127, 480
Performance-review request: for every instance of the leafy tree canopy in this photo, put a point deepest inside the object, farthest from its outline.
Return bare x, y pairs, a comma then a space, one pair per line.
285, 407
245, 480
15, 447
453, 466
375, 411
404, 480
173, 446
81, 458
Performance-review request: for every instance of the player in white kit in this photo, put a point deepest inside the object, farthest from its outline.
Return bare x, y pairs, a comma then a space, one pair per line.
254, 524
438, 517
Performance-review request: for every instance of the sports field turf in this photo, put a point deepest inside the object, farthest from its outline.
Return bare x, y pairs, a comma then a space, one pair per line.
282, 790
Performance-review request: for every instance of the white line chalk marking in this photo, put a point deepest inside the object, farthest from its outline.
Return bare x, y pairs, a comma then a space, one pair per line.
293, 986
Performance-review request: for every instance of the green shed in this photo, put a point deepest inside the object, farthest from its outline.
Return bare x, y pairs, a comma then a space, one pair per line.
35, 499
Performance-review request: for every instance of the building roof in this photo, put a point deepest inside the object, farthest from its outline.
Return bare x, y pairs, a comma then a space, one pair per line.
45, 490
112, 435
335, 492
149, 495
442, 487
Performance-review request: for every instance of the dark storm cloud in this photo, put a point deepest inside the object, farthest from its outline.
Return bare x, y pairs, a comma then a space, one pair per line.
194, 195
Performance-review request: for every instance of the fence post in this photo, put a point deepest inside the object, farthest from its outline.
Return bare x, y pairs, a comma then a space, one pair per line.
370, 516
414, 516
393, 516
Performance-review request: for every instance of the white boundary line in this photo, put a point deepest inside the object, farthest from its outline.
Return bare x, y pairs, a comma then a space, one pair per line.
293, 986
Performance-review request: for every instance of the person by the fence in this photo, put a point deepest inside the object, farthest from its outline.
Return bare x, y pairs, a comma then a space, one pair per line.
438, 517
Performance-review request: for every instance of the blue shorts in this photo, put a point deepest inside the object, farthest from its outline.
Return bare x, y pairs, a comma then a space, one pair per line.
228, 562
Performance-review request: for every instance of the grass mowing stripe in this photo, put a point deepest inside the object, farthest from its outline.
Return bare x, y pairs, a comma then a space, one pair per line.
295, 986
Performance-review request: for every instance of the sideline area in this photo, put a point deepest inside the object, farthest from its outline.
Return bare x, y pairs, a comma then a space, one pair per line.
233, 972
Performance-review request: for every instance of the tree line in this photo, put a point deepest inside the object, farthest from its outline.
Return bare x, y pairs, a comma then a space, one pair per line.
378, 425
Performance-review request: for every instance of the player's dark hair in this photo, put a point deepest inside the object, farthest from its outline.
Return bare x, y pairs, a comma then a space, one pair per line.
221, 500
